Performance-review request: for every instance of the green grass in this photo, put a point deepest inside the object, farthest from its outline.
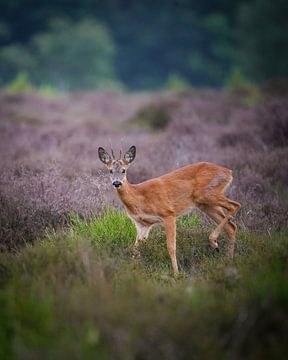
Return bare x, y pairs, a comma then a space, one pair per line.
78, 294
107, 231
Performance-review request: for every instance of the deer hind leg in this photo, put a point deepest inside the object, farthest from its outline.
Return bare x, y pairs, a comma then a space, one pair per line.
170, 228
232, 207
217, 214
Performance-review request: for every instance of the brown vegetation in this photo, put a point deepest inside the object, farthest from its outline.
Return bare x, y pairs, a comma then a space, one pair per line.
49, 166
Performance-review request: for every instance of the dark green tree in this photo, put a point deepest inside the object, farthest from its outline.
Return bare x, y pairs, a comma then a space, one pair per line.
199, 41
263, 39
68, 55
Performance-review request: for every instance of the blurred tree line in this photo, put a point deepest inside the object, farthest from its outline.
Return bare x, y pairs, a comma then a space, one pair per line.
76, 44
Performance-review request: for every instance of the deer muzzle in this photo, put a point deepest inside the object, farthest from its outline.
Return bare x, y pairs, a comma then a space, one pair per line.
117, 184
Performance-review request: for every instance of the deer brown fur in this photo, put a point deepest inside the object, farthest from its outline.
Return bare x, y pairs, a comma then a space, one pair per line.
163, 199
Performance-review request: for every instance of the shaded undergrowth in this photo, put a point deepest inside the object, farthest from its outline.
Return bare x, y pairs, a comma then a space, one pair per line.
78, 294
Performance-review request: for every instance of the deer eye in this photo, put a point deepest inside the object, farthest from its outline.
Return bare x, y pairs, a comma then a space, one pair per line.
111, 171
123, 171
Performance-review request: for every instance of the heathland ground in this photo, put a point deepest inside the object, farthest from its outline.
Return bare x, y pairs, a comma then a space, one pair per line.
69, 287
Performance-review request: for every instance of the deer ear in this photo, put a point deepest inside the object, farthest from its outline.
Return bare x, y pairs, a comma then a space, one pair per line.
130, 154
104, 156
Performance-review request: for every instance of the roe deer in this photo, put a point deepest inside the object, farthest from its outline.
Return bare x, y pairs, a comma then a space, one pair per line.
162, 199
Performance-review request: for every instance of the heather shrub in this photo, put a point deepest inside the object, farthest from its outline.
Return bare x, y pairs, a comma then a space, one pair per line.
270, 164
272, 118
51, 169
260, 179
21, 223
275, 165
276, 88
240, 139
187, 126
153, 116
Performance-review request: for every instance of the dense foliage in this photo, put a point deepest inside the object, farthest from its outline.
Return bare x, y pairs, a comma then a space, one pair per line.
79, 295
142, 44
52, 57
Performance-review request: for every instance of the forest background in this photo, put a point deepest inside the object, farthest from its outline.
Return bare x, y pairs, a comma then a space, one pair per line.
143, 45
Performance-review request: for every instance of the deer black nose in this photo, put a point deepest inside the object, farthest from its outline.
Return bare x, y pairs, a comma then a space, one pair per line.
117, 183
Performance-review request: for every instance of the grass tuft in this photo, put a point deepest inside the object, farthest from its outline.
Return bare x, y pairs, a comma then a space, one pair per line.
111, 230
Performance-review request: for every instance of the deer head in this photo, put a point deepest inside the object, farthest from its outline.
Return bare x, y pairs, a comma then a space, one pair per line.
118, 167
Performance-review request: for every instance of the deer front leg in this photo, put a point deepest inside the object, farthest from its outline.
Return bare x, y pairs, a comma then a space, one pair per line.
170, 228
142, 233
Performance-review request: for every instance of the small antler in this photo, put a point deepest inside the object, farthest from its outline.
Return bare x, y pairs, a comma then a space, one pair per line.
112, 152
121, 147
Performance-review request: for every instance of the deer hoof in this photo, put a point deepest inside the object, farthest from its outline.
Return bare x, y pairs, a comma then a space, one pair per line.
213, 241
135, 253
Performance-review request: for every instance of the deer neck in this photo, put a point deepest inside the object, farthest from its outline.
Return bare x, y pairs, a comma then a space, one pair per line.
128, 195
